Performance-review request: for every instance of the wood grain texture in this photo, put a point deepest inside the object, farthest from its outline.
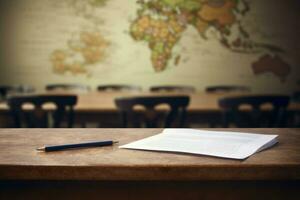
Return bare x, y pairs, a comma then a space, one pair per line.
20, 161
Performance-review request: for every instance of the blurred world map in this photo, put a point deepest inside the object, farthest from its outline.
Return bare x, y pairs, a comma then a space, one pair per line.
152, 42
161, 24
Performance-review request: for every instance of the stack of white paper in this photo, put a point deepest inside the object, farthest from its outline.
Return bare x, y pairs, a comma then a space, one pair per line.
212, 143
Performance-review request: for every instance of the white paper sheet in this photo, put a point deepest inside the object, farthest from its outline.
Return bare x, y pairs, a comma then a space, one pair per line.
233, 145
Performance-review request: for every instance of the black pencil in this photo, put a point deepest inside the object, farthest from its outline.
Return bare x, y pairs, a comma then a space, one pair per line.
79, 145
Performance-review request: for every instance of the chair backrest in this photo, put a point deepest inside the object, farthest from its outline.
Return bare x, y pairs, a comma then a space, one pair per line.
175, 88
5, 90
296, 96
273, 116
68, 87
116, 87
150, 117
38, 117
227, 88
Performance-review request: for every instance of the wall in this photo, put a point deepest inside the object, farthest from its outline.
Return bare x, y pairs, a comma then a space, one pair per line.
110, 41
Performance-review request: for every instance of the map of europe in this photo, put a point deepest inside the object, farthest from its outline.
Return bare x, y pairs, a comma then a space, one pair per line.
84, 49
161, 24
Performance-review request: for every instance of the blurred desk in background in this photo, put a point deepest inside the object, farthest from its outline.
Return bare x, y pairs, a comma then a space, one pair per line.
100, 106
113, 173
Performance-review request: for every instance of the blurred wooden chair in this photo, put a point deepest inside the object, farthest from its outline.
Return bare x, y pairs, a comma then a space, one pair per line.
169, 88
6, 90
149, 117
295, 118
38, 117
118, 88
273, 116
115, 88
224, 89
68, 87
227, 88
296, 96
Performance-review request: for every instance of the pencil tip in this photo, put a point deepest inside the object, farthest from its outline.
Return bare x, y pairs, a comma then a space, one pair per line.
40, 149
115, 142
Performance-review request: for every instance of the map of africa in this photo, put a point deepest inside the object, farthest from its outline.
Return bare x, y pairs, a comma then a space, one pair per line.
161, 24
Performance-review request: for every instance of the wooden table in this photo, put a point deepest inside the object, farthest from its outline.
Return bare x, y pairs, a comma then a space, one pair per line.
100, 106
110, 172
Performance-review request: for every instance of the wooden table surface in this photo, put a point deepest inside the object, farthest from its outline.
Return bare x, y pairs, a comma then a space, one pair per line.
104, 101
20, 161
